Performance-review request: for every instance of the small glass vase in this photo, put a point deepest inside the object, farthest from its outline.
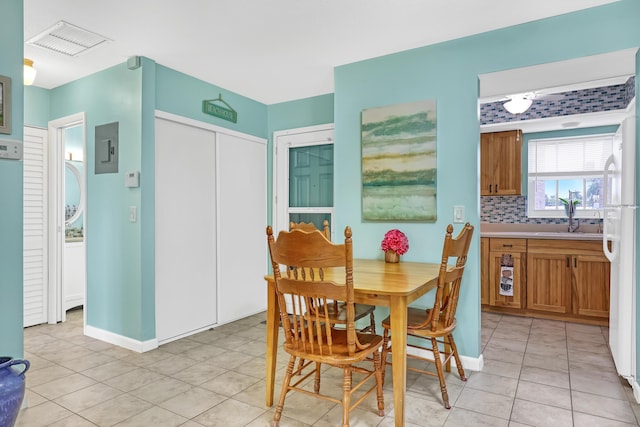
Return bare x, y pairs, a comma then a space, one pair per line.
391, 256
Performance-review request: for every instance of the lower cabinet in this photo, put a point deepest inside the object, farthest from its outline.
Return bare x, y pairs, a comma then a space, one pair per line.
549, 282
550, 278
590, 285
568, 276
507, 272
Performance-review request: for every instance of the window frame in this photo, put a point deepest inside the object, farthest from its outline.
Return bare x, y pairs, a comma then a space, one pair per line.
557, 176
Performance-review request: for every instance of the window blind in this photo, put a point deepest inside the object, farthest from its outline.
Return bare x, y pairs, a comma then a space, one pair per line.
574, 156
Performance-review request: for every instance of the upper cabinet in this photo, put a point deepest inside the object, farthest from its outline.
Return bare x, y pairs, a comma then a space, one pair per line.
501, 163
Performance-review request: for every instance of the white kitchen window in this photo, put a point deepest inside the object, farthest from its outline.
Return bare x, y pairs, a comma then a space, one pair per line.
560, 168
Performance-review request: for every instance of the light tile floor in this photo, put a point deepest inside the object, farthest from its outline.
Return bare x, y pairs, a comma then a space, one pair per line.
536, 373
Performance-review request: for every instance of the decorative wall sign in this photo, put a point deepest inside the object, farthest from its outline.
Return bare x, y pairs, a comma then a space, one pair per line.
399, 162
225, 112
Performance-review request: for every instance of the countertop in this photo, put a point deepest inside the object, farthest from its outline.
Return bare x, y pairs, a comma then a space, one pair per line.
539, 231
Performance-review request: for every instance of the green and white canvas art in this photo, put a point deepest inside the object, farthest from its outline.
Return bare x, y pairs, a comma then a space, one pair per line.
399, 162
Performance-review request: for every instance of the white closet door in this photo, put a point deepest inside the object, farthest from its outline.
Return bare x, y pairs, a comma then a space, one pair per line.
35, 267
185, 230
242, 207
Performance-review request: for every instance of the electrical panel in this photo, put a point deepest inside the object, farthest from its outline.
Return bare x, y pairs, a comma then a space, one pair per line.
106, 148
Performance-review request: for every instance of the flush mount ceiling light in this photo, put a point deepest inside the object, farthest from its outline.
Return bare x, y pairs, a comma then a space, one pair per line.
67, 39
518, 104
29, 72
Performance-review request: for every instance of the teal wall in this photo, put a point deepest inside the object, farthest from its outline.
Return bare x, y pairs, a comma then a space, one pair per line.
114, 300
448, 72
181, 94
11, 317
317, 110
146, 212
36, 106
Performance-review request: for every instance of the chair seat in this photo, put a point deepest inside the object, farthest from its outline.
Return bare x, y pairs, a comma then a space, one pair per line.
340, 351
361, 310
415, 318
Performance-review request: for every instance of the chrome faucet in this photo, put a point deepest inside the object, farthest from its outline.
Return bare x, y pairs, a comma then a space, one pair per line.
574, 224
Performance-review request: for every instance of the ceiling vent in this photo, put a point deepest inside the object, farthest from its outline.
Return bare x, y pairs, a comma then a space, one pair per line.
68, 39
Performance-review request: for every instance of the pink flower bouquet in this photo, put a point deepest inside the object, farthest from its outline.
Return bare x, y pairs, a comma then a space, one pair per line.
395, 240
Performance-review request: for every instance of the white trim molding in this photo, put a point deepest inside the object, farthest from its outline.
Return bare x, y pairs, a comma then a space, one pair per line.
120, 340
468, 362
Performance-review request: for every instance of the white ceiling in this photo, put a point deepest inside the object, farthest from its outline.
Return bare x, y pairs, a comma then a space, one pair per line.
270, 51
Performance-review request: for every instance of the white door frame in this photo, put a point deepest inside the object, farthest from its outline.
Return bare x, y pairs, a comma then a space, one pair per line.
55, 310
282, 142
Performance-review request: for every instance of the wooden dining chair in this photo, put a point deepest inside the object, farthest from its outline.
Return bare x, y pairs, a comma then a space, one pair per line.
337, 312
309, 226
299, 260
436, 325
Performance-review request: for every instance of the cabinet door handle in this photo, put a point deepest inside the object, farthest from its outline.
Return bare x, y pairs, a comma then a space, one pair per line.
575, 262
490, 186
507, 246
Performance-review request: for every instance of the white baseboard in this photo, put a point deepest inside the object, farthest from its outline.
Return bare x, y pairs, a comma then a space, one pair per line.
471, 363
120, 340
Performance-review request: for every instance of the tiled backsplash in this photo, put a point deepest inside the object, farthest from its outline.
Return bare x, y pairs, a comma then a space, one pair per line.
513, 210
593, 100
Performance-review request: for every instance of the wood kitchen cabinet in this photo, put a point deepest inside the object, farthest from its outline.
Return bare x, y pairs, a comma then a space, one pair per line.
555, 279
568, 277
590, 284
507, 272
484, 270
501, 163
548, 281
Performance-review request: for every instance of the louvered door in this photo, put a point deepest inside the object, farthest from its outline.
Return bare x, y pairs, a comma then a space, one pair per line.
35, 266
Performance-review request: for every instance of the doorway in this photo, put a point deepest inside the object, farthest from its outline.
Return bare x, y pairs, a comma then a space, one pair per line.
303, 165
554, 80
67, 216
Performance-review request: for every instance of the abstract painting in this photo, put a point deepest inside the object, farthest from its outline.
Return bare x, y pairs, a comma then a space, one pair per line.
399, 162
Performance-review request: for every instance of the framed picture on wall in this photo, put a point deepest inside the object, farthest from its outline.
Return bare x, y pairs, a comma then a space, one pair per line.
399, 162
5, 104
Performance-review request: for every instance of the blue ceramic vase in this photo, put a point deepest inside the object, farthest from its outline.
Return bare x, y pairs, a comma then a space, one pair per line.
11, 389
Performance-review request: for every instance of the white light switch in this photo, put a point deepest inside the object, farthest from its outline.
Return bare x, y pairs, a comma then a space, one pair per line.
458, 214
133, 213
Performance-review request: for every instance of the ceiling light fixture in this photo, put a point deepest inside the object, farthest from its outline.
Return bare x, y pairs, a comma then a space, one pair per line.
517, 104
29, 72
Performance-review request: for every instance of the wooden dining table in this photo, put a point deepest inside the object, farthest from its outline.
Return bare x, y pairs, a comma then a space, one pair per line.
393, 285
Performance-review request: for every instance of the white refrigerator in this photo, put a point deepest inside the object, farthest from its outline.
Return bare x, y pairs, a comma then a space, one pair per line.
619, 229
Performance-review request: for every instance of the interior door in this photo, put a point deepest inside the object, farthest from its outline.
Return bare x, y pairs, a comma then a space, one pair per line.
35, 253
242, 216
185, 229
304, 177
